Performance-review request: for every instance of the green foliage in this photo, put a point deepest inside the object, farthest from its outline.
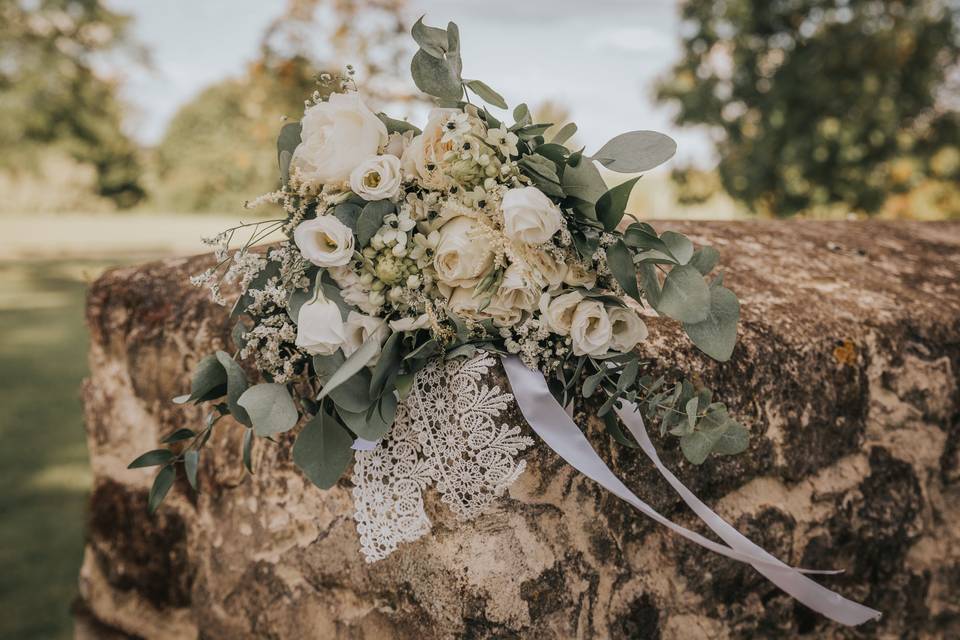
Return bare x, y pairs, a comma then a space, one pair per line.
821, 103
51, 94
322, 450
270, 407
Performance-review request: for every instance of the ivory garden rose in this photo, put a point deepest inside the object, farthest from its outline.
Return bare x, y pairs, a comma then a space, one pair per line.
463, 253
377, 178
336, 136
530, 216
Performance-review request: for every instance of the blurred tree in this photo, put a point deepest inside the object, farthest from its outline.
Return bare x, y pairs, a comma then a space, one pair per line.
219, 149
51, 94
816, 104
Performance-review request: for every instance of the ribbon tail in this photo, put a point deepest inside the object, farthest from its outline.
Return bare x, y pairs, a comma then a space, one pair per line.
549, 420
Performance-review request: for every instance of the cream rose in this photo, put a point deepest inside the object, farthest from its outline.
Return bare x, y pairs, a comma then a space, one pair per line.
465, 304
579, 276
377, 178
590, 329
324, 241
530, 216
558, 312
626, 328
463, 253
320, 328
359, 328
423, 156
517, 289
337, 135
551, 270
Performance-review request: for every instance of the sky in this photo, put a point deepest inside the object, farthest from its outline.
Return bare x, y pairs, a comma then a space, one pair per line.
598, 58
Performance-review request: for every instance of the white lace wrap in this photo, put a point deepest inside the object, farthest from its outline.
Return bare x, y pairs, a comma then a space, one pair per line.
445, 433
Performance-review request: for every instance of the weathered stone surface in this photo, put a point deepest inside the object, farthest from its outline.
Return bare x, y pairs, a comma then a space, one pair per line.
846, 374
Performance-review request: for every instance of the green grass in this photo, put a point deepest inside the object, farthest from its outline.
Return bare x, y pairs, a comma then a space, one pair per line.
44, 470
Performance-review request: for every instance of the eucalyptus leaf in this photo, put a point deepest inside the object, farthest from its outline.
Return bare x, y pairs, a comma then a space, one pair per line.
191, 459
716, 335
734, 439
697, 446
371, 219
521, 116
354, 394
397, 126
685, 296
270, 407
584, 182
236, 385
612, 423
486, 94
432, 40
436, 76
161, 486
620, 261
636, 151
209, 380
246, 450
322, 450
705, 259
388, 365
152, 459
287, 142
612, 204
650, 283
179, 436
678, 245
348, 213
565, 133
357, 361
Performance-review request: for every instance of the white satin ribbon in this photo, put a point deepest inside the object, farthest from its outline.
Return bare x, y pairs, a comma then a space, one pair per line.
549, 420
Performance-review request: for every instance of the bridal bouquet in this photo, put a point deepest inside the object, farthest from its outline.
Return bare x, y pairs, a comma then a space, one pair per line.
412, 259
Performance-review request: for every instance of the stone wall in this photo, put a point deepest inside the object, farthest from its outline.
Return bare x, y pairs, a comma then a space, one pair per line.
846, 374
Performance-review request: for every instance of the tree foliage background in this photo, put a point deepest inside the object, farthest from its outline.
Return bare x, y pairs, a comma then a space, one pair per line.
53, 95
822, 105
219, 149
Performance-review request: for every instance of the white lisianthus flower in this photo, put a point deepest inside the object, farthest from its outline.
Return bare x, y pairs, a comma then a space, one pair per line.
550, 270
410, 324
325, 241
377, 178
590, 329
503, 140
579, 276
359, 328
320, 327
530, 216
463, 253
337, 136
422, 159
558, 312
627, 329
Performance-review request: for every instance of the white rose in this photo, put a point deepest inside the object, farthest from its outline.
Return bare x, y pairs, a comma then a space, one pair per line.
324, 241
463, 253
423, 156
337, 136
377, 178
558, 312
320, 328
590, 329
627, 329
551, 270
359, 328
410, 324
464, 304
579, 276
529, 216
